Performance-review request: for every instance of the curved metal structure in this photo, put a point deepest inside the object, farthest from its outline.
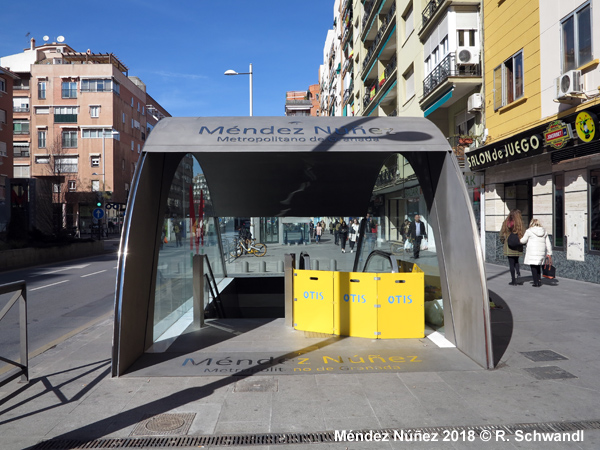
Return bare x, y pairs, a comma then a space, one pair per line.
284, 166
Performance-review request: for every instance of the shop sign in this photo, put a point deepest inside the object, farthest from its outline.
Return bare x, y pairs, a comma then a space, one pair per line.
585, 125
511, 151
557, 134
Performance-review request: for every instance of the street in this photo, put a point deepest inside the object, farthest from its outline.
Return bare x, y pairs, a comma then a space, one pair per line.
62, 298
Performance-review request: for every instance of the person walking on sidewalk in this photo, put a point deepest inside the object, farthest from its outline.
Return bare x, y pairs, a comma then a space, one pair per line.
318, 232
417, 232
538, 249
353, 234
510, 235
343, 235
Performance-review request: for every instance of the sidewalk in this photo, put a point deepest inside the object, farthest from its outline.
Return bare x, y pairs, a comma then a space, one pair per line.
546, 343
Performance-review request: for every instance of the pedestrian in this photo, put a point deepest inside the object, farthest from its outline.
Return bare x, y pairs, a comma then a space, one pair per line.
405, 228
336, 231
353, 234
312, 230
343, 232
510, 235
417, 232
177, 230
318, 232
538, 249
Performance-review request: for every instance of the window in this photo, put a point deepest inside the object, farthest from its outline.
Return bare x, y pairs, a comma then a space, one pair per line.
132, 102
123, 117
65, 164
69, 139
2, 85
42, 90
95, 111
409, 25
3, 149
72, 185
444, 46
2, 116
98, 85
42, 110
409, 83
132, 145
65, 114
576, 38
20, 126
42, 138
558, 232
56, 188
95, 161
20, 104
466, 38
95, 185
508, 81
92, 133
139, 148
42, 159
69, 89
595, 210
21, 149
22, 171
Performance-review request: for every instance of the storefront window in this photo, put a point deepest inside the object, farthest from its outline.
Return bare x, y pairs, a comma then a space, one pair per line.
559, 210
594, 210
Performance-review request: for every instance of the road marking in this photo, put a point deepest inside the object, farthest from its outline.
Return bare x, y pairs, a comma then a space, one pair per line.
93, 273
80, 266
48, 285
438, 339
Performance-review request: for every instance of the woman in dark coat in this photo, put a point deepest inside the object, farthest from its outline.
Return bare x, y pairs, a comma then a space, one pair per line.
513, 224
343, 235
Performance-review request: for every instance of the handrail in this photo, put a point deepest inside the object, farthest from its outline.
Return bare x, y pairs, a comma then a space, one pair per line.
212, 284
20, 287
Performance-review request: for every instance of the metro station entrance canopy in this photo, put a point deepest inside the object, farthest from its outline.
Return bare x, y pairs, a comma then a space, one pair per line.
301, 167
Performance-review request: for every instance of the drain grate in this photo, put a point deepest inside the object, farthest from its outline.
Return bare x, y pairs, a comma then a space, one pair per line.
549, 373
543, 355
299, 438
164, 424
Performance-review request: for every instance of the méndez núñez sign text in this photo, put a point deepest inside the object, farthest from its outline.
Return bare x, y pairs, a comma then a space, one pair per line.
516, 149
296, 134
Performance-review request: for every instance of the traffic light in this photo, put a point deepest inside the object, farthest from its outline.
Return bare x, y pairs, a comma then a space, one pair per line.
99, 199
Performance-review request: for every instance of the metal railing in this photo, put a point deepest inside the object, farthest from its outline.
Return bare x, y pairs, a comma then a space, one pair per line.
448, 68
20, 289
429, 11
379, 37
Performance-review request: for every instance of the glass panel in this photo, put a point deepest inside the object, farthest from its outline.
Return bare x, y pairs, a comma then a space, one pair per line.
568, 45
498, 87
509, 81
183, 235
518, 64
584, 36
595, 210
559, 210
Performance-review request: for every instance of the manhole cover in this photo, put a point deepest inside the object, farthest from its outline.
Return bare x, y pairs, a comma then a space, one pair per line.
164, 424
543, 355
549, 373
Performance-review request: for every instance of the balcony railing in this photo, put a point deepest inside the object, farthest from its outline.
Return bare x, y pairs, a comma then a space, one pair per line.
298, 103
379, 36
429, 11
21, 152
21, 109
65, 118
367, 12
448, 68
389, 69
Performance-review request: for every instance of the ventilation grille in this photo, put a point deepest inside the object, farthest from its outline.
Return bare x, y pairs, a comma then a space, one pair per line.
299, 438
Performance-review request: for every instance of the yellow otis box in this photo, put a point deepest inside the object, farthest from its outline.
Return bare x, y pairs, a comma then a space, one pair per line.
369, 305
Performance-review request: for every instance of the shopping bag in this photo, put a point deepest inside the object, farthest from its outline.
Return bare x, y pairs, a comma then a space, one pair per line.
548, 271
408, 245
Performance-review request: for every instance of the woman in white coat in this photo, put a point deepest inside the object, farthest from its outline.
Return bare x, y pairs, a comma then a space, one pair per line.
538, 249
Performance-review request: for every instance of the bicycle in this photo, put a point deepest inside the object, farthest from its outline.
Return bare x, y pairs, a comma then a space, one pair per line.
242, 246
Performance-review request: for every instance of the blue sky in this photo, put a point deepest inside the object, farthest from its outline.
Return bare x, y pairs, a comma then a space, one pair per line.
180, 49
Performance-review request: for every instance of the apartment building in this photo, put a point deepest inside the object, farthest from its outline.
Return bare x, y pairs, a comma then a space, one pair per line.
7, 79
303, 103
541, 109
80, 122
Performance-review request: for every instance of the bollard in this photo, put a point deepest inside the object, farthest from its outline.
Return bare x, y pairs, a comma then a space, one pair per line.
315, 264
333, 265
262, 266
279, 266
244, 267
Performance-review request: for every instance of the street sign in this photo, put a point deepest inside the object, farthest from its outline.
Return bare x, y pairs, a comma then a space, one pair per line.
98, 213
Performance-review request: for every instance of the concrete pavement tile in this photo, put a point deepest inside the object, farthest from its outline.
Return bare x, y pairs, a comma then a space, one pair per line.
206, 418
18, 442
243, 427
352, 423
337, 379
420, 377
345, 401
296, 416
246, 407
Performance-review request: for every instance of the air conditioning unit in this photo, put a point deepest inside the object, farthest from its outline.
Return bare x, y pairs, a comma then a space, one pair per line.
467, 55
568, 84
59, 49
474, 102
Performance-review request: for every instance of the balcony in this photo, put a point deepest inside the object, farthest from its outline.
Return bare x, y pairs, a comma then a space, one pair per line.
21, 109
379, 37
459, 145
374, 88
449, 68
65, 118
367, 17
429, 11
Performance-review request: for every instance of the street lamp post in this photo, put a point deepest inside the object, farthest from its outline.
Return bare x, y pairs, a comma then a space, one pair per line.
233, 72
